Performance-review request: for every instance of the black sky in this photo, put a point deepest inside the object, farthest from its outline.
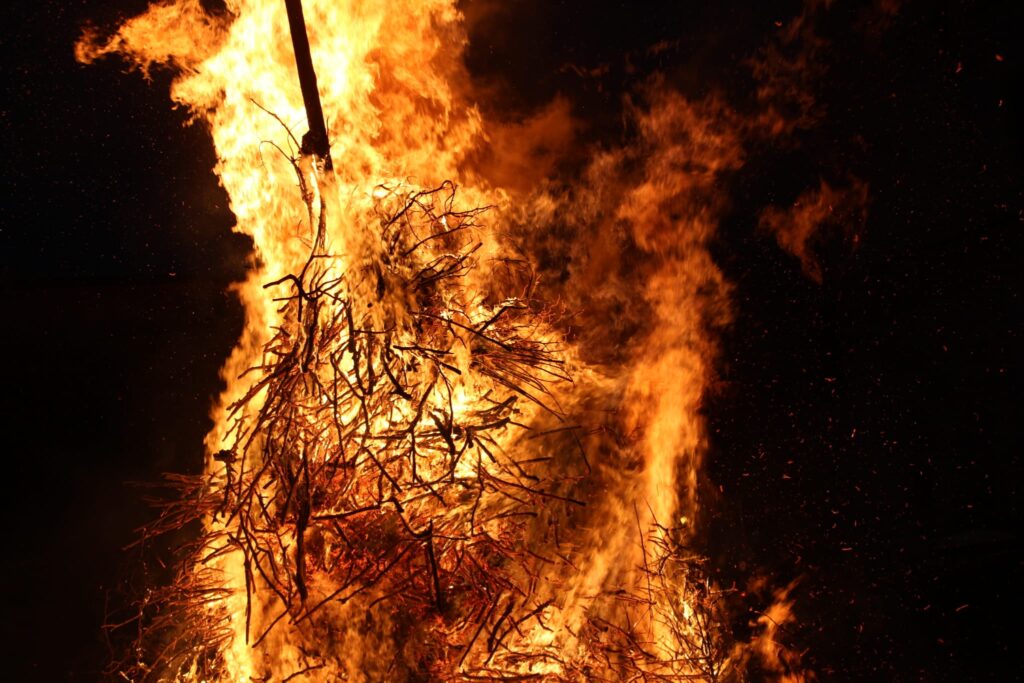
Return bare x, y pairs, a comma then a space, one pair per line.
865, 429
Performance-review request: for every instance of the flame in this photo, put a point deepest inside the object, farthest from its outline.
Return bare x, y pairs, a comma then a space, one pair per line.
796, 228
405, 422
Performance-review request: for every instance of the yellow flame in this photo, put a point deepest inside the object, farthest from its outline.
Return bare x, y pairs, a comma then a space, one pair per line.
392, 85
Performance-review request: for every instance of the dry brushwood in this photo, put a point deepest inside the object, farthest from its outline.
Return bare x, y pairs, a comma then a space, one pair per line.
358, 470
354, 464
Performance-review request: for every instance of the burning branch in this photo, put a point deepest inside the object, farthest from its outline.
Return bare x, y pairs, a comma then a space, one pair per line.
396, 470
315, 141
359, 465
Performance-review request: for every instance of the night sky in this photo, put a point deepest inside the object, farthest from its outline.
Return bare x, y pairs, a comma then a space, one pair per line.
865, 428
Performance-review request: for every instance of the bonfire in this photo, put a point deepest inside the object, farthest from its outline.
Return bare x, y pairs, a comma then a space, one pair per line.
417, 471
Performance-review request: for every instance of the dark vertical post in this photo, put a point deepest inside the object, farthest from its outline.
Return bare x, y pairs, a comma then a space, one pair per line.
315, 141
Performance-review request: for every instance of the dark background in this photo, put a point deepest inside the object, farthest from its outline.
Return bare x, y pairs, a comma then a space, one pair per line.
865, 430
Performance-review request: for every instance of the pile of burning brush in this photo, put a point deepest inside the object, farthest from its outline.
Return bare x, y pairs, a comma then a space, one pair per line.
415, 473
362, 480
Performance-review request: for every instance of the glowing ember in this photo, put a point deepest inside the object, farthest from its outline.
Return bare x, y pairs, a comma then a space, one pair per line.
416, 472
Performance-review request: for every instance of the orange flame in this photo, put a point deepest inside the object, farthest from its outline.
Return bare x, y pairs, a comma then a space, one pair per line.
797, 228
607, 591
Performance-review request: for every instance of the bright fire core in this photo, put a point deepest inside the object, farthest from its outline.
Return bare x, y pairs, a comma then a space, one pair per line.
430, 461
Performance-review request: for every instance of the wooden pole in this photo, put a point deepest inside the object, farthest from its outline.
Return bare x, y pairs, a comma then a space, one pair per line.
315, 141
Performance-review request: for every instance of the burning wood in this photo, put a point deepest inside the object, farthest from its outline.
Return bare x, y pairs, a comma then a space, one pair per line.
358, 474
405, 482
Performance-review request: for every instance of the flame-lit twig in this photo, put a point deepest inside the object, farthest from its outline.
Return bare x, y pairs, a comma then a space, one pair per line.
387, 465
357, 464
